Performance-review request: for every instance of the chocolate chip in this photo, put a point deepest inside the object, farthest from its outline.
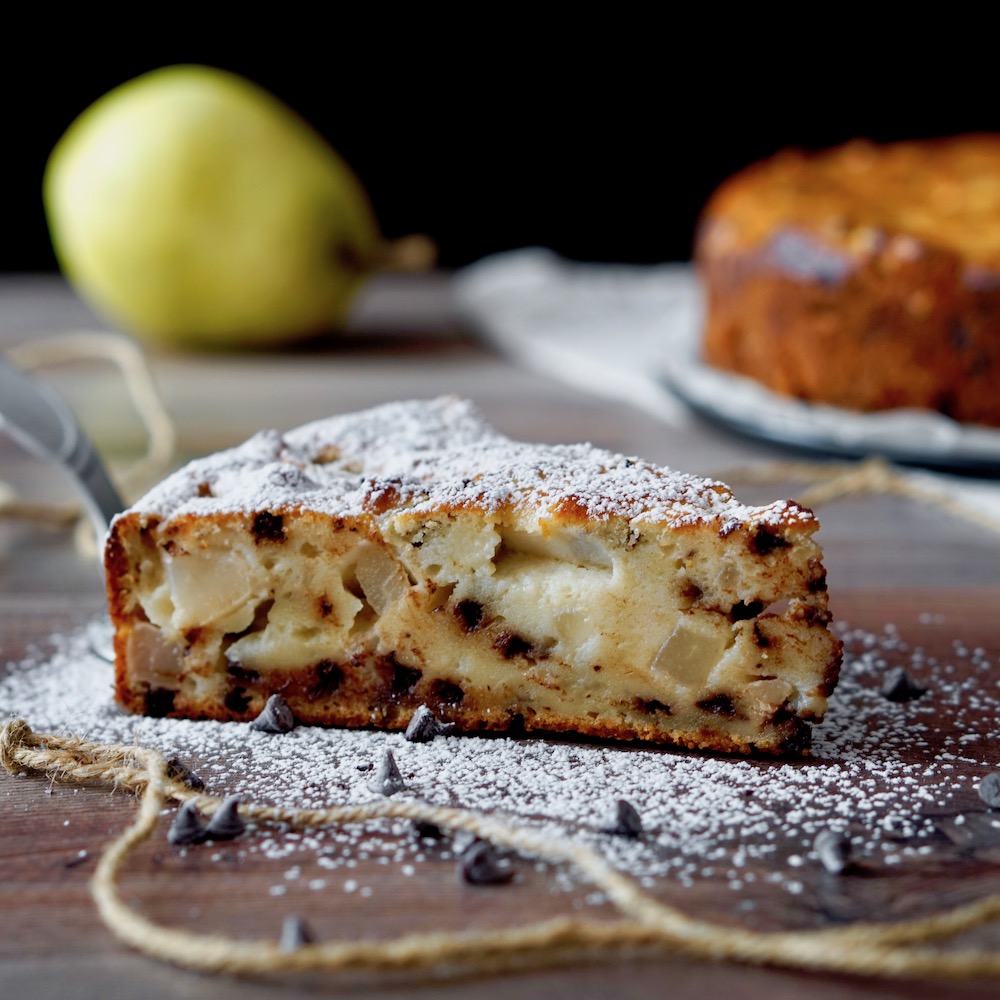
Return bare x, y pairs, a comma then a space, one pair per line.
989, 789
187, 827
240, 673
226, 823
294, 934
159, 702
833, 848
652, 706
268, 527
510, 645
237, 700
404, 679
276, 717
479, 865
718, 704
628, 822
764, 541
179, 771
469, 614
446, 692
329, 677
425, 725
424, 830
745, 610
898, 685
388, 780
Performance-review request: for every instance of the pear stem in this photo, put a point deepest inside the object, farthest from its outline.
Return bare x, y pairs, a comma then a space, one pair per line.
408, 253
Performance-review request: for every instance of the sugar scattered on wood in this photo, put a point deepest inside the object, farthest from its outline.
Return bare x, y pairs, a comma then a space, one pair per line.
886, 772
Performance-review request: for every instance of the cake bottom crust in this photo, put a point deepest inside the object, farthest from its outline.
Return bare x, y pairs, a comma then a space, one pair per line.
378, 692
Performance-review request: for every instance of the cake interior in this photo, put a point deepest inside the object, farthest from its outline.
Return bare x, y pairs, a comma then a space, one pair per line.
607, 630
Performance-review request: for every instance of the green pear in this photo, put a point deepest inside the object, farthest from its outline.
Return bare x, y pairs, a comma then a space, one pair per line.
193, 208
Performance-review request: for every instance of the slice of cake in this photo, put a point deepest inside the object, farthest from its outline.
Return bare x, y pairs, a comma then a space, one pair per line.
368, 564
864, 276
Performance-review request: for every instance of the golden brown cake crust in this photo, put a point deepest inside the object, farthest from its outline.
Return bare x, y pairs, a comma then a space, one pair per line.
866, 276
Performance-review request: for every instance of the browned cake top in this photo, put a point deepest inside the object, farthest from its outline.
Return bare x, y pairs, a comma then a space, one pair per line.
943, 193
439, 455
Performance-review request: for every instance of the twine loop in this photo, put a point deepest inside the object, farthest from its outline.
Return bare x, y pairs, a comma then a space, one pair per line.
645, 926
14, 734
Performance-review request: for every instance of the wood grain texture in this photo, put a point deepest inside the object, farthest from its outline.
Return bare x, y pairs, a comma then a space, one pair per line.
889, 561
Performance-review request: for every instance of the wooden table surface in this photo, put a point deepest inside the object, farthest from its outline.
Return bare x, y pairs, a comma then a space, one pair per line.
890, 560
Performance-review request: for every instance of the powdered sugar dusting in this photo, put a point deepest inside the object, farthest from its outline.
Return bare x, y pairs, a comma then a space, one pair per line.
884, 772
425, 455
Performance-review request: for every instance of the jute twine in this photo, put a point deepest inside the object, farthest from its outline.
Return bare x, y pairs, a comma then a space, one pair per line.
645, 925
828, 481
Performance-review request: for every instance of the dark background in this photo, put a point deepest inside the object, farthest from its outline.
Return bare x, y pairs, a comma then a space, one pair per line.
601, 142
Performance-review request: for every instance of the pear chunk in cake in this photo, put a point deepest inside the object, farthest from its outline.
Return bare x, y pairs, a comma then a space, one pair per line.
368, 564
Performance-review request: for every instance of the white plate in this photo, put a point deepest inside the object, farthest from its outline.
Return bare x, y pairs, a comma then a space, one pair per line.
634, 333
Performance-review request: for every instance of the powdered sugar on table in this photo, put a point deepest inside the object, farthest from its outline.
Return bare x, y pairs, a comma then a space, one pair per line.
886, 773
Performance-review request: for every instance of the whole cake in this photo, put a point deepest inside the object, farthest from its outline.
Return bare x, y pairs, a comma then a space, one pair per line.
864, 276
370, 564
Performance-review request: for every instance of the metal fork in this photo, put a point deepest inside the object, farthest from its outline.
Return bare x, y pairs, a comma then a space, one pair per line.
40, 421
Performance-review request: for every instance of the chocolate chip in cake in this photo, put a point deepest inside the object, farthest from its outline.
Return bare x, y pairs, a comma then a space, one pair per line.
226, 823
510, 645
425, 725
627, 822
745, 610
652, 706
237, 671
469, 614
799, 738
237, 700
833, 848
718, 704
187, 827
179, 771
764, 541
388, 780
276, 717
898, 685
404, 679
479, 865
159, 702
329, 677
446, 692
294, 934
268, 527
989, 789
